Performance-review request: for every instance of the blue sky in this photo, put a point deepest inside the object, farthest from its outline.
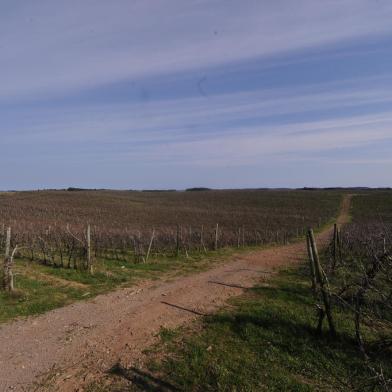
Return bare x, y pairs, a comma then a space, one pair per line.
137, 94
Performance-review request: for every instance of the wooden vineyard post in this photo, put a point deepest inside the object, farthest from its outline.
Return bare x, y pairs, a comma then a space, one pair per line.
384, 245
178, 241
339, 244
89, 258
321, 278
202, 239
335, 245
257, 238
216, 237
311, 263
8, 279
150, 245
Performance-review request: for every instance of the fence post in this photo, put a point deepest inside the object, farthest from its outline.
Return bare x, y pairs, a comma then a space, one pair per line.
335, 245
150, 245
8, 279
202, 239
321, 278
339, 244
216, 237
311, 263
89, 259
178, 241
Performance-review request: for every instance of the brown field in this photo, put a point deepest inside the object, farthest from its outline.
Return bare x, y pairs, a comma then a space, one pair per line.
122, 221
120, 209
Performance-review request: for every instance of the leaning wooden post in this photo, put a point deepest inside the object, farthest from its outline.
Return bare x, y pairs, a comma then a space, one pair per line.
216, 237
202, 239
150, 245
89, 258
335, 245
384, 245
311, 263
8, 280
321, 278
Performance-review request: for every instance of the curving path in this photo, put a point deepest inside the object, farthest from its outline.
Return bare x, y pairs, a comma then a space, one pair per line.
69, 347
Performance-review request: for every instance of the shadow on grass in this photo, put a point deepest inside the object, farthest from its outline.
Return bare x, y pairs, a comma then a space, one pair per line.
286, 308
143, 380
266, 341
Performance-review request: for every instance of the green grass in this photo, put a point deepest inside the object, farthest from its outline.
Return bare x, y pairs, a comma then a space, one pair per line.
265, 340
40, 288
33, 297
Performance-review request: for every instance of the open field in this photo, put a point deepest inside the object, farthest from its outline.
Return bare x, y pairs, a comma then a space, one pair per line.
121, 210
196, 196
48, 224
50, 267
77, 344
264, 339
375, 206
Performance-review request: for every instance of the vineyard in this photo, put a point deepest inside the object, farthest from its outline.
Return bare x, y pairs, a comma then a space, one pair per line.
72, 244
65, 246
323, 325
51, 227
355, 280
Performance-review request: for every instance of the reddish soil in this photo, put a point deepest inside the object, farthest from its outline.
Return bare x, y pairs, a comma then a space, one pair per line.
66, 349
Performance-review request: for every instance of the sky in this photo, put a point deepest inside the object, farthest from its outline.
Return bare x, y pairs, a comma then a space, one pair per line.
158, 94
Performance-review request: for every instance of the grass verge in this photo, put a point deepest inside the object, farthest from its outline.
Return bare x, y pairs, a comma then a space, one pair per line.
263, 341
40, 288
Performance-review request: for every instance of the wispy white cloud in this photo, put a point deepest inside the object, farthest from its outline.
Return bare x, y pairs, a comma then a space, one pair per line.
56, 46
258, 144
62, 63
230, 129
368, 161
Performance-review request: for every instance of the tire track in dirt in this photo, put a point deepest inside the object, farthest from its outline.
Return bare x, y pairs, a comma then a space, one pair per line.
67, 348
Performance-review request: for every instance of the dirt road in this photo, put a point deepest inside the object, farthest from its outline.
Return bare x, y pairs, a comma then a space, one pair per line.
69, 347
